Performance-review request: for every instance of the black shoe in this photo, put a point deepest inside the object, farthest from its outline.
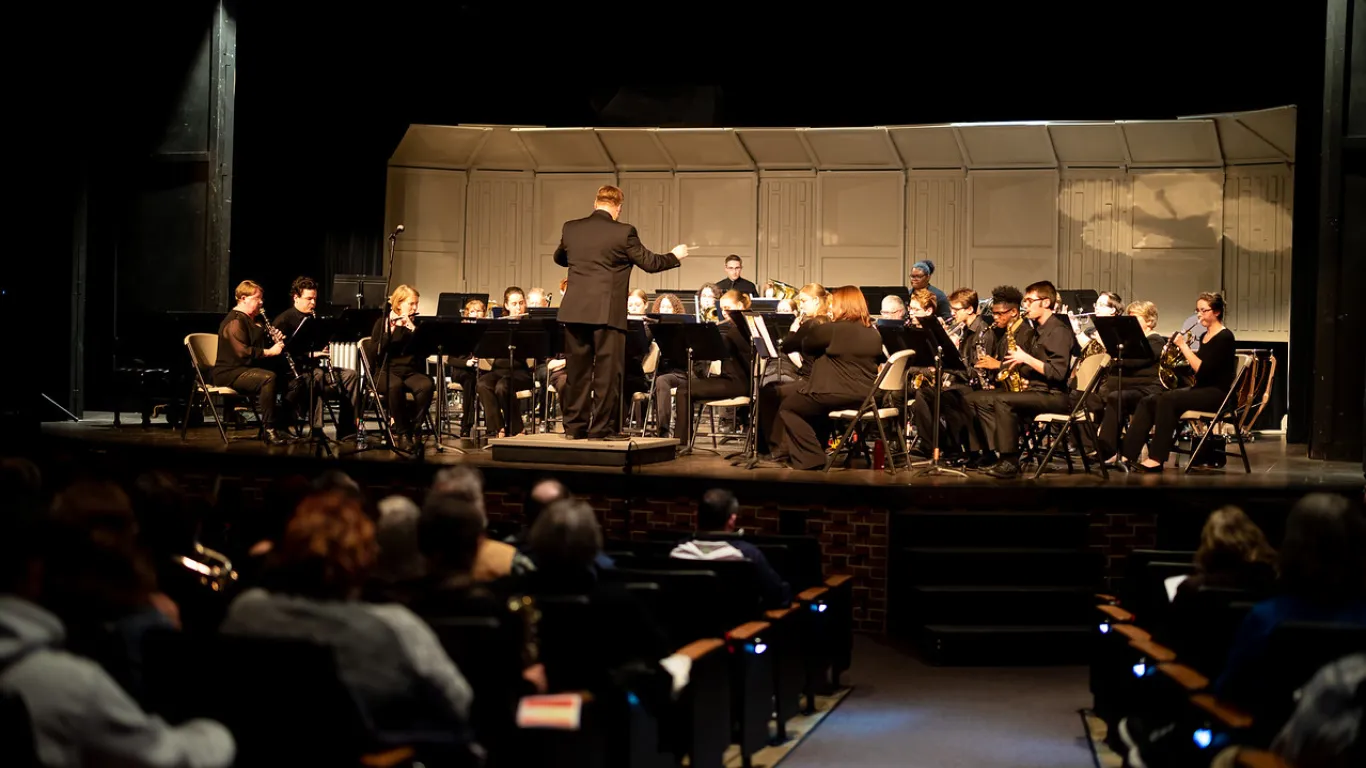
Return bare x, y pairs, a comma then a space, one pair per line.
569, 436
275, 438
1004, 470
611, 436
985, 461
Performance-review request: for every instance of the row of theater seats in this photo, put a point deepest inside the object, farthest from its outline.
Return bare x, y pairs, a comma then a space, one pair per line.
1156, 660
284, 702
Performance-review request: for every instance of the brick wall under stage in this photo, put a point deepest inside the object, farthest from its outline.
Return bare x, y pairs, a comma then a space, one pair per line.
1116, 534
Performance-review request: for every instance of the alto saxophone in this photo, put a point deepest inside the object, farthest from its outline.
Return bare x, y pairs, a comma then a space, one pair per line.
1008, 376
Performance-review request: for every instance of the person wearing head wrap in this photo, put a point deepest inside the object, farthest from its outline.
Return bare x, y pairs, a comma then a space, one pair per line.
920, 278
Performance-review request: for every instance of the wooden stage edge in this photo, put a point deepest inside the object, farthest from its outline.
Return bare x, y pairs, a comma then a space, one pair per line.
1276, 467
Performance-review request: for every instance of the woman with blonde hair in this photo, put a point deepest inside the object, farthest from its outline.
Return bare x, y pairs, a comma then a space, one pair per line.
845, 356
396, 371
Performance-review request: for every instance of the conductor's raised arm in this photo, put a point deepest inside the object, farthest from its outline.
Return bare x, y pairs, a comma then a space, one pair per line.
648, 260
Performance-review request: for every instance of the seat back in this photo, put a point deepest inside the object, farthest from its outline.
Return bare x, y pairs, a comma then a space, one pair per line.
1295, 651
1089, 368
203, 349
16, 731
1203, 624
894, 373
487, 651
692, 597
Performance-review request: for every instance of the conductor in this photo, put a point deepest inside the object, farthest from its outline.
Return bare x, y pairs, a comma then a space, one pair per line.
599, 252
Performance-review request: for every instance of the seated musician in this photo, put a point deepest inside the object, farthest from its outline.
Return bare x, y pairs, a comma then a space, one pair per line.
666, 304
1139, 381
813, 308
398, 371
953, 409
462, 372
1006, 323
1044, 365
701, 387
893, 308
706, 298
846, 353
243, 354
499, 386
1214, 365
342, 383
922, 305
635, 303
537, 297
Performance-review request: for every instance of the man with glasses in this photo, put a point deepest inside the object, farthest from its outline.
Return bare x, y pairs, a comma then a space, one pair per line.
1045, 364
953, 410
1005, 315
733, 281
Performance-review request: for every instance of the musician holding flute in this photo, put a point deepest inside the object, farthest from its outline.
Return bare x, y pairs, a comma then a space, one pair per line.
1215, 366
243, 355
397, 371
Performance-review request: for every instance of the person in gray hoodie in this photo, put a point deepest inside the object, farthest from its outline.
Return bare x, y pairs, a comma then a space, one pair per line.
79, 715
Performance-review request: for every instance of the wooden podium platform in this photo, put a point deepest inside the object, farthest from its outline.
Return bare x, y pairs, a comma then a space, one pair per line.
555, 449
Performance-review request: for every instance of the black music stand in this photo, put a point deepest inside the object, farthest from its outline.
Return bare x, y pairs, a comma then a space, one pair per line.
445, 337
511, 340
931, 341
754, 326
686, 340
637, 347
1125, 341
313, 335
359, 291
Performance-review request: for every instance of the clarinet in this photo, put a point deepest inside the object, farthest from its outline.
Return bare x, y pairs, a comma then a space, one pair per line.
275, 334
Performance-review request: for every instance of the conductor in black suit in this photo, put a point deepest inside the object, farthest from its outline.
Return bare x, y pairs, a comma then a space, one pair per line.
599, 252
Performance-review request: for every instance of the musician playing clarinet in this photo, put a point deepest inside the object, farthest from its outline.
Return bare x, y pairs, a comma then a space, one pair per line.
342, 383
397, 371
244, 351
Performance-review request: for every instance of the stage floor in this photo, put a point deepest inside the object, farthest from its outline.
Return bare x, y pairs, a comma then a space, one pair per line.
1274, 464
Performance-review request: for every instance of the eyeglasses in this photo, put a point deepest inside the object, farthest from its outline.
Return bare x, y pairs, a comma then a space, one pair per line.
957, 308
1200, 311
1026, 301
999, 312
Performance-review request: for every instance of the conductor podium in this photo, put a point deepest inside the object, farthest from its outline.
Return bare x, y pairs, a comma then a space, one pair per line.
553, 448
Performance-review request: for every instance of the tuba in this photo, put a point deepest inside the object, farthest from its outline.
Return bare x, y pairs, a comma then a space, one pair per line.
783, 290
1008, 376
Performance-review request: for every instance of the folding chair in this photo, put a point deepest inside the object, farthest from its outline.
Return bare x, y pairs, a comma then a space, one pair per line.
1088, 372
1226, 414
891, 378
204, 347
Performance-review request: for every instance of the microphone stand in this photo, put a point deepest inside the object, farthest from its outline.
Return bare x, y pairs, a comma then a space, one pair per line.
933, 467
748, 457
384, 336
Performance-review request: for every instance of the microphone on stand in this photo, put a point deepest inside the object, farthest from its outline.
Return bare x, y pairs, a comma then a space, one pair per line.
397, 231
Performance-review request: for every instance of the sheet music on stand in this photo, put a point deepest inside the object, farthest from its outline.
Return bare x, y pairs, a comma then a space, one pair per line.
756, 331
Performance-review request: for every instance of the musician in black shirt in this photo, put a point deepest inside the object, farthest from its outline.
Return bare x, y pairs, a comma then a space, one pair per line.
243, 355
1215, 366
325, 381
499, 386
1006, 322
953, 410
1044, 364
396, 370
732, 381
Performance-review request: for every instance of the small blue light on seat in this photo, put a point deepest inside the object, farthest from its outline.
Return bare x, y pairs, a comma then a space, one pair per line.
632, 699
1203, 737
760, 647
1105, 629
1139, 669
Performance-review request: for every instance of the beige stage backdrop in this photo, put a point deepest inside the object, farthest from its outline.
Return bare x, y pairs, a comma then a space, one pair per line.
1156, 210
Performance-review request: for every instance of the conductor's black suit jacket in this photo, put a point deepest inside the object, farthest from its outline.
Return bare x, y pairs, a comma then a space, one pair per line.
600, 252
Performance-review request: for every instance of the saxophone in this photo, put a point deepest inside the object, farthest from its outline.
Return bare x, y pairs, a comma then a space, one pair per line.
1008, 376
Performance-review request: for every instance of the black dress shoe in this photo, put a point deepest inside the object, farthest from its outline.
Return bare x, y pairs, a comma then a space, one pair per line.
612, 436
1139, 466
985, 461
1004, 470
569, 436
275, 438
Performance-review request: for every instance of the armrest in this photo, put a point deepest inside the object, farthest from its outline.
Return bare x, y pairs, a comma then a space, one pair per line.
1153, 650
838, 580
1116, 613
1133, 633
388, 758
1226, 714
699, 648
747, 630
1187, 677
778, 614
814, 593
1104, 598
1258, 758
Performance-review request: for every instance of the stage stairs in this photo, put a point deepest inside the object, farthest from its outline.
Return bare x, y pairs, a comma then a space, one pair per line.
993, 587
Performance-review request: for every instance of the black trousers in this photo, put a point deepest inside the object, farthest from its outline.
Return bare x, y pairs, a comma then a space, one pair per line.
254, 381
1159, 413
399, 381
498, 390
595, 363
463, 375
957, 433
1105, 407
803, 427
771, 394
689, 393
345, 386
999, 414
